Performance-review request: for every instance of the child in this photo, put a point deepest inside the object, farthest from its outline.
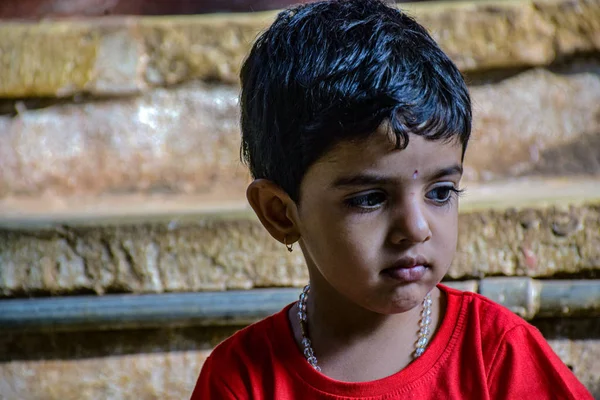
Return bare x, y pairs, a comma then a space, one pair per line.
354, 126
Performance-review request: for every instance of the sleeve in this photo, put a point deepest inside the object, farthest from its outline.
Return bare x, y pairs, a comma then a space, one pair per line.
211, 385
525, 366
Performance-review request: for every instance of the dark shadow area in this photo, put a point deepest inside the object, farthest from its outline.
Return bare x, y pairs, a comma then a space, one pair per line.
577, 64
492, 76
571, 65
568, 328
578, 158
83, 345
12, 107
581, 274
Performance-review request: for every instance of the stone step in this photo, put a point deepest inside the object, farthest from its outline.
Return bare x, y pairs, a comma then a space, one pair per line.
539, 122
112, 56
104, 106
98, 115
17, 212
509, 233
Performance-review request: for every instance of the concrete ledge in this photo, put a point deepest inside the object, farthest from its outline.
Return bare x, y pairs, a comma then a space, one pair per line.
526, 297
213, 253
47, 212
208, 309
117, 56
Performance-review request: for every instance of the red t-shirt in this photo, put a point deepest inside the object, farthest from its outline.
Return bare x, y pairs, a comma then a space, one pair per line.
481, 351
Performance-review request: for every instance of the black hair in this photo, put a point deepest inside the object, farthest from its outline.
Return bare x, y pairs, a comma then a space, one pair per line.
336, 70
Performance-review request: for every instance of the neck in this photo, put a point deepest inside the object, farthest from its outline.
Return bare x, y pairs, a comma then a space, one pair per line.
344, 335
333, 317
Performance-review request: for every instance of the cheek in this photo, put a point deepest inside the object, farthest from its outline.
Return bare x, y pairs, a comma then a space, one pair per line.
333, 240
446, 231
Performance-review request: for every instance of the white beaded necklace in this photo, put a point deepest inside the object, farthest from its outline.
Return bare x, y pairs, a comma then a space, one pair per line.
424, 328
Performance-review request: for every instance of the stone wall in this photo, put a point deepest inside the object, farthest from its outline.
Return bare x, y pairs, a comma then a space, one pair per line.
122, 55
228, 252
120, 172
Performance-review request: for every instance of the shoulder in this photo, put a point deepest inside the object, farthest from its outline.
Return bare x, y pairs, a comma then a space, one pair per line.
247, 345
483, 314
236, 364
490, 324
518, 361
525, 365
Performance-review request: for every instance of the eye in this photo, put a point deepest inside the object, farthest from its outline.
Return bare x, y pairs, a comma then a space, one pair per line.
366, 201
442, 194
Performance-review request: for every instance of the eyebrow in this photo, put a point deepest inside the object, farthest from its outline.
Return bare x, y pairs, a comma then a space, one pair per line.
453, 170
361, 180
372, 179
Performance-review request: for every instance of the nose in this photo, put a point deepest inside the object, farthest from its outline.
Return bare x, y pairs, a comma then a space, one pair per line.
410, 224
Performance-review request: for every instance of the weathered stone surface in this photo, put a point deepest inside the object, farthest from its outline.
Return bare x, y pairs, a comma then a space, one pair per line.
537, 123
111, 56
529, 242
514, 34
207, 255
165, 364
577, 343
186, 139
65, 58
142, 376
237, 253
143, 364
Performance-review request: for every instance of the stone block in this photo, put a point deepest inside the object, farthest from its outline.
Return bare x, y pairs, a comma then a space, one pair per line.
186, 139
63, 58
214, 253
485, 36
162, 375
182, 140
547, 242
539, 122
141, 364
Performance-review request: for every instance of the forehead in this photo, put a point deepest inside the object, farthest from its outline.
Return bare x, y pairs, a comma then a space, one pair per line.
378, 152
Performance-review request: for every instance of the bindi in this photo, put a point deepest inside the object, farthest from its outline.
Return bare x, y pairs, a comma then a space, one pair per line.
415, 174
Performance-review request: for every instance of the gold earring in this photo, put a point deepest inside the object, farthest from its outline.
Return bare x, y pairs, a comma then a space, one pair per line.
290, 246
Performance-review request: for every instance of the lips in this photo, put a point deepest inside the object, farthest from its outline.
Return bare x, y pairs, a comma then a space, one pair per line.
407, 269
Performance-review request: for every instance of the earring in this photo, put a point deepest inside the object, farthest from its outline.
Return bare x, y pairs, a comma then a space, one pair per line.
290, 246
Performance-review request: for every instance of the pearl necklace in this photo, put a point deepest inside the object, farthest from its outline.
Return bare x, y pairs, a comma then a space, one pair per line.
424, 328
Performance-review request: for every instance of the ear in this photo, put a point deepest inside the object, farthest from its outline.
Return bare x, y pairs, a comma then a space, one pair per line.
275, 210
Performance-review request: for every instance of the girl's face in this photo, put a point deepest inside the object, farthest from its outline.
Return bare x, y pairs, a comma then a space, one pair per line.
378, 225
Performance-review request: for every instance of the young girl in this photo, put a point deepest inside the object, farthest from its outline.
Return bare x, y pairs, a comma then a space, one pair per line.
355, 126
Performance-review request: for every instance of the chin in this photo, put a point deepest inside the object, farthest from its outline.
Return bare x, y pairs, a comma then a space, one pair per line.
392, 309
399, 301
